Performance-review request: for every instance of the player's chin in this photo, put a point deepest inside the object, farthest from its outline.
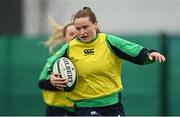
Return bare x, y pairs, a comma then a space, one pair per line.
87, 39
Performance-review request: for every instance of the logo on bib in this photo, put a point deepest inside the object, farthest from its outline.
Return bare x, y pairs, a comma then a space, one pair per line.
88, 52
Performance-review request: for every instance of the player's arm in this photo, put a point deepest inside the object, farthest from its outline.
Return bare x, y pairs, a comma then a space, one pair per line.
131, 52
45, 81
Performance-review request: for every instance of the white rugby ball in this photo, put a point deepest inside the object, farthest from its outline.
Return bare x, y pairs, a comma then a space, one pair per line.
64, 67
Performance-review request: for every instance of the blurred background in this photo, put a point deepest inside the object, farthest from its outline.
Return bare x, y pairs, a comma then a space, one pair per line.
150, 90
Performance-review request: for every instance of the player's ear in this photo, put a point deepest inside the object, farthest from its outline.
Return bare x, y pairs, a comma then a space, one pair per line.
96, 26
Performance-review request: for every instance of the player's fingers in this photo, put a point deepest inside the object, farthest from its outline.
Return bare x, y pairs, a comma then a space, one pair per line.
54, 80
57, 75
57, 78
61, 85
65, 81
160, 59
163, 59
62, 79
157, 58
150, 57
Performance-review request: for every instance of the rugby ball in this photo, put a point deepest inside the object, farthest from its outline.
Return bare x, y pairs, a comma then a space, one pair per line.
64, 67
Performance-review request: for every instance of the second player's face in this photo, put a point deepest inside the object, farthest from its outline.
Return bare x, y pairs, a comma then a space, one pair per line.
70, 33
86, 30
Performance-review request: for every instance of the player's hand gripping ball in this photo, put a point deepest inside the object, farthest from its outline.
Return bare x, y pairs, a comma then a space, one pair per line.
66, 69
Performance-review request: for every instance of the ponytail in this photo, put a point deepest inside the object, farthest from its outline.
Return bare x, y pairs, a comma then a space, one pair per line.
57, 36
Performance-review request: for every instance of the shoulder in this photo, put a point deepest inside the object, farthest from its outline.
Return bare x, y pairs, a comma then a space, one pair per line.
64, 48
110, 36
114, 39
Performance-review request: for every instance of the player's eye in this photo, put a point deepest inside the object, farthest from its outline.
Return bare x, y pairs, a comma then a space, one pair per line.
77, 28
85, 26
72, 34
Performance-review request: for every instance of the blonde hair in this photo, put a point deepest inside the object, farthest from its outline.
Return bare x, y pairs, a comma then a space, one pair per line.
57, 35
